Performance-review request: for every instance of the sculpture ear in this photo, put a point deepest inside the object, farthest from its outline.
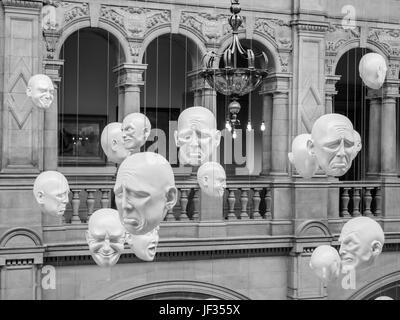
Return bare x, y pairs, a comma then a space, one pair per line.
205, 181
40, 197
290, 156
176, 138
217, 138
146, 132
376, 247
310, 148
172, 197
114, 145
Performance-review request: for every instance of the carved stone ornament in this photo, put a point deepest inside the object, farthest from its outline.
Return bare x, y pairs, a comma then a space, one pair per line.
211, 27
388, 38
337, 36
278, 30
135, 21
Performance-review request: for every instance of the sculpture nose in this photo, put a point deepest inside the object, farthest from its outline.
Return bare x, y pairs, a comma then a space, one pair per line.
341, 152
106, 246
194, 141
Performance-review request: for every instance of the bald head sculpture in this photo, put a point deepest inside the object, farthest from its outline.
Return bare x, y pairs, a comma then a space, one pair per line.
105, 237
212, 179
372, 69
144, 191
361, 242
306, 165
144, 246
332, 143
41, 90
51, 191
197, 136
136, 129
325, 262
112, 142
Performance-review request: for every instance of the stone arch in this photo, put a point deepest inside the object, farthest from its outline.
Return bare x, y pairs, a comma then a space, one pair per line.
375, 286
181, 286
372, 45
155, 33
312, 228
20, 237
117, 34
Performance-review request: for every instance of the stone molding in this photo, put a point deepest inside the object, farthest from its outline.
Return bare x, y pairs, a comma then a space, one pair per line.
22, 3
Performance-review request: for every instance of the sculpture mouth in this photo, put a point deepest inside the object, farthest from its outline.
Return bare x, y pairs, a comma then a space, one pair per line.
152, 249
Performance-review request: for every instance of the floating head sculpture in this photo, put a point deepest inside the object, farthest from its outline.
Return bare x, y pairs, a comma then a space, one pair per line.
105, 237
325, 262
136, 129
144, 191
197, 136
361, 242
51, 191
144, 246
212, 179
372, 69
41, 90
332, 143
305, 164
112, 142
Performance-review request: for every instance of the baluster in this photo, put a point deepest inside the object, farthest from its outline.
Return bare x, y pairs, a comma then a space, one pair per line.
256, 203
75, 206
105, 202
90, 202
268, 204
367, 202
378, 201
244, 199
231, 203
356, 202
184, 201
344, 201
196, 204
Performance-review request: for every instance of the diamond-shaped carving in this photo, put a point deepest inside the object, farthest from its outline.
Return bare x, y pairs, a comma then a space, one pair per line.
311, 109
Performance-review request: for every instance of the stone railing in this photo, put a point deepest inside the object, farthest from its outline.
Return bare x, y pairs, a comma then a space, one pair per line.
360, 199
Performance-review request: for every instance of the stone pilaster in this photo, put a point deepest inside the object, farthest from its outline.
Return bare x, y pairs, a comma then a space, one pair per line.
129, 83
374, 141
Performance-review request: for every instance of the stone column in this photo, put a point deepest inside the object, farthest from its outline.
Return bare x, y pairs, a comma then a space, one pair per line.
374, 140
50, 150
130, 79
266, 134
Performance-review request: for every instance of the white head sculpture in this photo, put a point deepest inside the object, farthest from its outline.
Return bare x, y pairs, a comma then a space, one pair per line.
197, 136
305, 164
332, 143
325, 262
357, 144
41, 90
384, 298
112, 142
361, 242
105, 237
212, 179
136, 129
51, 192
373, 70
144, 246
144, 191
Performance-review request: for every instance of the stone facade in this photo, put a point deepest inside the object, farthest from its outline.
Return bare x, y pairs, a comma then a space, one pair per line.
230, 251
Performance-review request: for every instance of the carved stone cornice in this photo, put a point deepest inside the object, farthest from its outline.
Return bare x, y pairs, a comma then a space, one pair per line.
23, 4
278, 30
310, 26
135, 22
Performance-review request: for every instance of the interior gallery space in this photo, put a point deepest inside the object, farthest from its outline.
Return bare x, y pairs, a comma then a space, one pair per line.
192, 150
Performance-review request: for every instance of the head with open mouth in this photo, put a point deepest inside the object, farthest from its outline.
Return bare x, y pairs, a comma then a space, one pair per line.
51, 191
105, 237
361, 242
332, 143
144, 246
197, 136
212, 179
136, 129
40, 89
144, 191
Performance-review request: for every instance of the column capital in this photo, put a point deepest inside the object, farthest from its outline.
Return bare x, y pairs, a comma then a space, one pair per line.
276, 82
197, 82
130, 74
330, 84
390, 89
52, 69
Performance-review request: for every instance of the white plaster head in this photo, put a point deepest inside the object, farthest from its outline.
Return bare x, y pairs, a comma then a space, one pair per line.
384, 298
144, 191
41, 90
325, 262
197, 136
332, 143
105, 237
144, 246
361, 241
136, 129
357, 144
51, 191
112, 142
212, 179
372, 69
306, 165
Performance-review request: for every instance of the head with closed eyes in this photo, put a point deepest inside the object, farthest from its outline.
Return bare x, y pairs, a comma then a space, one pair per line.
144, 191
332, 143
